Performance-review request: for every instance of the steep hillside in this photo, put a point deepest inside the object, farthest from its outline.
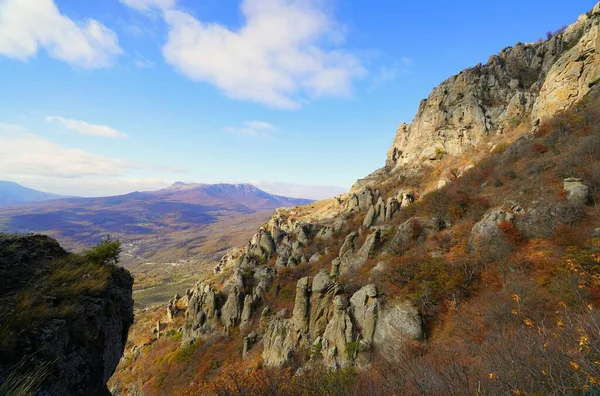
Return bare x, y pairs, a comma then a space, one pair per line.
14, 194
64, 318
467, 265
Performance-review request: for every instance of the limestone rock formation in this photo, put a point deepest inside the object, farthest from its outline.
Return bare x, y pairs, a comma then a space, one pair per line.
339, 333
361, 200
365, 306
577, 192
352, 258
202, 313
278, 342
397, 323
324, 289
525, 83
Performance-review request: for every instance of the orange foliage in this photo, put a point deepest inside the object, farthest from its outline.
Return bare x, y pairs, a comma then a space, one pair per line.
509, 229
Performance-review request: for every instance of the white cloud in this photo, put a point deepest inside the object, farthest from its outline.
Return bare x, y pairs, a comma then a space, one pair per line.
282, 55
253, 128
85, 128
299, 190
28, 25
146, 5
27, 154
38, 163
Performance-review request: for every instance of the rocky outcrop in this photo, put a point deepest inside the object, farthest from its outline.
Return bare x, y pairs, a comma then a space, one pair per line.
577, 193
339, 335
486, 232
249, 342
412, 231
352, 258
203, 312
338, 330
324, 289
488, 226
262, 245
525, 83
397, 323
360, 200
78, 335
278, 342
365, 306
175, 304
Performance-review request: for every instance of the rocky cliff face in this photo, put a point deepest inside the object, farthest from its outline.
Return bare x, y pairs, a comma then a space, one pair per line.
525, 83
328, 319
341, 325
63, 318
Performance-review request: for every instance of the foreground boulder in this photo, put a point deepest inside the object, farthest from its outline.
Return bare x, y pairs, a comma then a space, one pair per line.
64, 317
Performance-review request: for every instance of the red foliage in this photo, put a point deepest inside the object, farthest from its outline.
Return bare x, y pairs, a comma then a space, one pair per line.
539, 148
509, 229
542, 131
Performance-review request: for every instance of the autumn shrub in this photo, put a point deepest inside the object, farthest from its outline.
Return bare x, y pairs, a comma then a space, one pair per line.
187, 352
542, 130
510, 231
568, 213
429, 282
539, 148
570, 235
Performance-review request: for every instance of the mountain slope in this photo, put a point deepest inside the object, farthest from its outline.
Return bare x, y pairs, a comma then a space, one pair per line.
228, 194
14, 194
467, 265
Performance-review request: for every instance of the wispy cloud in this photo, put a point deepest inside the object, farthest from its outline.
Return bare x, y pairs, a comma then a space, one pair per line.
11, 127
45, 158
266, 61
26, 26
146, 5
141, 61
253, 128
386, 73
85, 128
52, 167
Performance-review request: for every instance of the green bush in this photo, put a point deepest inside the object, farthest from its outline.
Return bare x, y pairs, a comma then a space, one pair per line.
107, 252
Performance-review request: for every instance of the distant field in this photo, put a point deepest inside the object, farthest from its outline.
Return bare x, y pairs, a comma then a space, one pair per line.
160, 295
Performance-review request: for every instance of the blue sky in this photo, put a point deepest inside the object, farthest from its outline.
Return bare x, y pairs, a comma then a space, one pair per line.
300, 97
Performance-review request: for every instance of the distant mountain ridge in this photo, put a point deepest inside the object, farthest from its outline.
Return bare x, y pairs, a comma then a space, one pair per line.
245, 193
182, 215
12, 193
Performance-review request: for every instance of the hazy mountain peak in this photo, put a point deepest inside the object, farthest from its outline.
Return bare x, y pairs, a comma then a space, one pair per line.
12, 193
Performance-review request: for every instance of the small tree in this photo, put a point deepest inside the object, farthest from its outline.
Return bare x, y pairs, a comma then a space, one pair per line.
106, 253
